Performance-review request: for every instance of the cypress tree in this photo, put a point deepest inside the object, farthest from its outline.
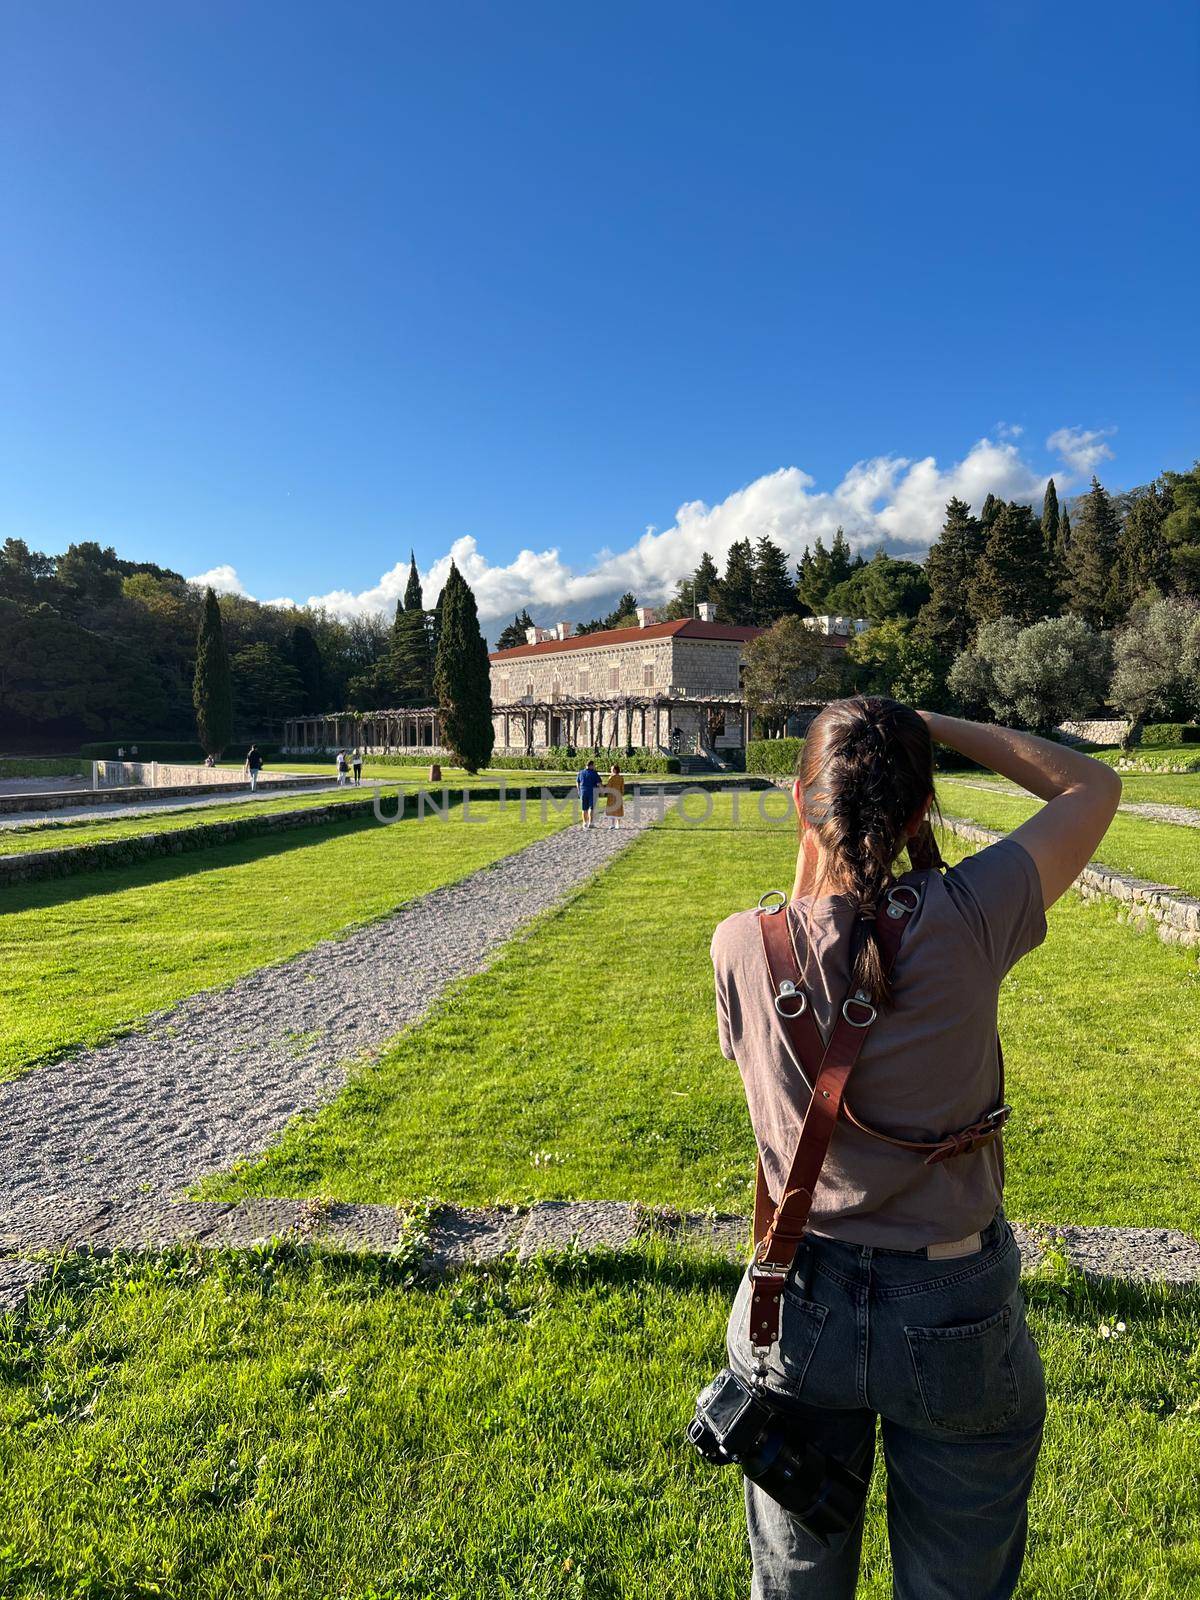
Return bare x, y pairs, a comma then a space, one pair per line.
946, 619
991, 510
306, 658
1092, 560
461, 676
411, 657
737, 586
772, 592
212, 689
1050, 517
1064, 535
1013, 578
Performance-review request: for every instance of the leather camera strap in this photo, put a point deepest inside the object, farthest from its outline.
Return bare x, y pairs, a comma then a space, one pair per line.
799, 1025
775, 1252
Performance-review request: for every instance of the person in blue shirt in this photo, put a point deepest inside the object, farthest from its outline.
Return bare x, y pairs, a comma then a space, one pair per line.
588, 781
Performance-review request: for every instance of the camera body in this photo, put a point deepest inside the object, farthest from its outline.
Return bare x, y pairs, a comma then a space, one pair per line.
736, 1423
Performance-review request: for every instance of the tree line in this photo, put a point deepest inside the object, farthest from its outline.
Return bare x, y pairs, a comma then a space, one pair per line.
92, 645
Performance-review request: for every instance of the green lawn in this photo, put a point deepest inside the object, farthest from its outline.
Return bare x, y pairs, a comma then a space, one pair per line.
1163, 852
268, 1426
83, 957
584, 1063
1173, 789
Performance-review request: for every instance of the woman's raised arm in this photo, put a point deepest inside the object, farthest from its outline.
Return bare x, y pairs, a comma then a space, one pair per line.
1081, 795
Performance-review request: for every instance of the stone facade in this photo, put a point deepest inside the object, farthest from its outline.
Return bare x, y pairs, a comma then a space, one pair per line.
657, 686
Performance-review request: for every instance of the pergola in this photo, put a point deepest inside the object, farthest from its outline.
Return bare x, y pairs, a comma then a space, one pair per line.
408, 728
609, 722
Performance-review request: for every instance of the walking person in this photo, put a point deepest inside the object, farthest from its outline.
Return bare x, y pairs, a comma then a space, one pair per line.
614, 805
356, 766
343, 769
253, 766
587, 782
886, 1293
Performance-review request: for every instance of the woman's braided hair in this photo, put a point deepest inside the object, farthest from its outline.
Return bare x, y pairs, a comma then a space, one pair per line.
866, 770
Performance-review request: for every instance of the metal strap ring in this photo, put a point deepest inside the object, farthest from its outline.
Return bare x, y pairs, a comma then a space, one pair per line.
865, 1004
770, 895
897, 905
789, 991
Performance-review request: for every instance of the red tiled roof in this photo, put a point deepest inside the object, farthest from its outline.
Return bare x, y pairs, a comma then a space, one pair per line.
687, 627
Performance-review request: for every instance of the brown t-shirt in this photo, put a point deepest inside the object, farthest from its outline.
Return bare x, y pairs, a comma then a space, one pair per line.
929, 1065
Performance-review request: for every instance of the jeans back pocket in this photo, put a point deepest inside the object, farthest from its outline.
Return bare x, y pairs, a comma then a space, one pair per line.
965, 1374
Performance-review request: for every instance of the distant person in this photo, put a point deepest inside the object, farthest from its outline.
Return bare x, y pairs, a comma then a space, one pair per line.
587, 782
209, 762
343, 768
254, 763
356, 766
614, 806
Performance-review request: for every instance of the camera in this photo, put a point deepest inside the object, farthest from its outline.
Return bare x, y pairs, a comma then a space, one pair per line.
736, 1423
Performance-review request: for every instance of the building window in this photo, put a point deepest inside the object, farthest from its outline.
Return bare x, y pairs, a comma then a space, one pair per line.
582, 682
647, 674
556, 690
504, 688
614, 677
529, 688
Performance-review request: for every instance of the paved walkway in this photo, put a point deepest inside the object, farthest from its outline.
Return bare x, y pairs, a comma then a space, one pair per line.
119, 810
215, 1079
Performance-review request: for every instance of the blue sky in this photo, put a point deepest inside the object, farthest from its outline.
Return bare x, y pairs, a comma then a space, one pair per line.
290, 288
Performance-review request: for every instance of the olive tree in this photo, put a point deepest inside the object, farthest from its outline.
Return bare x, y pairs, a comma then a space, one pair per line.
1157, 676
1034, 677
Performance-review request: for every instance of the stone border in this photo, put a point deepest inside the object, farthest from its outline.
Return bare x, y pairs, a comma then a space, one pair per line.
32, 1236
139, 794
1175, 917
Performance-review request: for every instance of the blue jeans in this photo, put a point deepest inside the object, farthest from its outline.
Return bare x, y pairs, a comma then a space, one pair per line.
940, 1352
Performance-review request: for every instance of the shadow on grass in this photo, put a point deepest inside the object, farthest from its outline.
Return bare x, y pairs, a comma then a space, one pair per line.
105, 880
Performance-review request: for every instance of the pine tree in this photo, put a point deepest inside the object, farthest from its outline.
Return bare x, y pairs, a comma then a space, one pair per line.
706, 581
1013, 578
1050, 518
306, 658
1143, 555
737, 586
773, 595
212, 690
946, 619
462, 678
515, 633
1092, 560
1182, 530
841, 566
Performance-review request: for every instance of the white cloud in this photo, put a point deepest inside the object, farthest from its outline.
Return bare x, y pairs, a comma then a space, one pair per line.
887, 500
223, 579
1083, 449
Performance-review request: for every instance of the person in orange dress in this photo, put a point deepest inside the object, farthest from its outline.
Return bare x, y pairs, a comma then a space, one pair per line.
614, 806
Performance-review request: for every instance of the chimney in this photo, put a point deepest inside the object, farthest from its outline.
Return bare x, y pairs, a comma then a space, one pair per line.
645, 616
564, 630
706, 611
531, 635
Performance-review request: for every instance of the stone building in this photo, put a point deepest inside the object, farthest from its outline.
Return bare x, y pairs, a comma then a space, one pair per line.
657, 686
667, 686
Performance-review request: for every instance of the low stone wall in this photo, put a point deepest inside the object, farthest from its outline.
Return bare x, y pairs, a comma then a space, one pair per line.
175, 775
1101, 730
63, 799
1175, 917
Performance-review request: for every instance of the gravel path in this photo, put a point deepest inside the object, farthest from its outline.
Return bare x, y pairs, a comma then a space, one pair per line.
217, 1077
1181, 816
